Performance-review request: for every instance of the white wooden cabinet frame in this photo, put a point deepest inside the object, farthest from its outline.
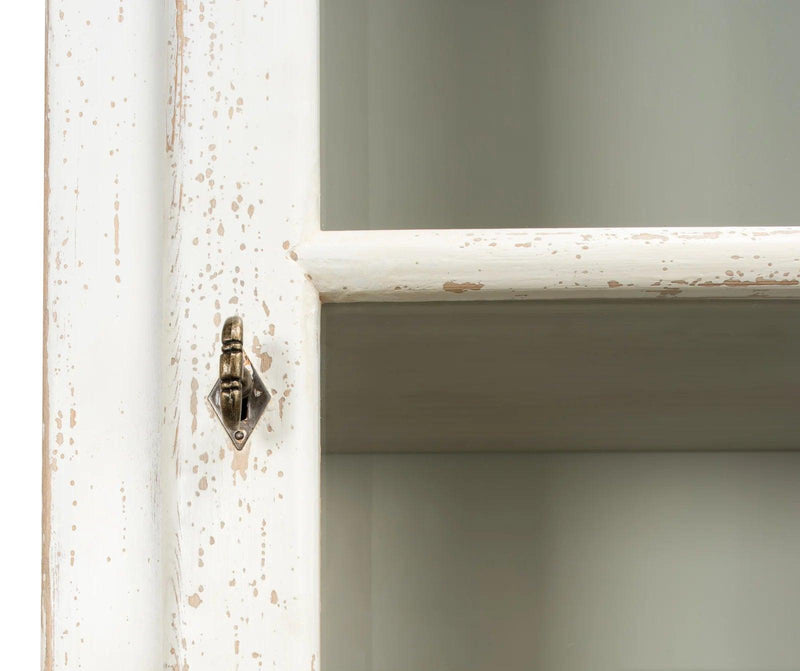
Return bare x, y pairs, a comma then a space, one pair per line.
182, 186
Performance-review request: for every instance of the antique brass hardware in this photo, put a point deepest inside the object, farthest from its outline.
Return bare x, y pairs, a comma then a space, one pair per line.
239, 397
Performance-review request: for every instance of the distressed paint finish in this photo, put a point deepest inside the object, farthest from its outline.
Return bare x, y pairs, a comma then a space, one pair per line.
163, 548
104, 207
241, 529
190, 556
507, 264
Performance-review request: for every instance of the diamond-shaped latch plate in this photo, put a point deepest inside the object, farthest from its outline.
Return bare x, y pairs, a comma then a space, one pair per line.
238, 397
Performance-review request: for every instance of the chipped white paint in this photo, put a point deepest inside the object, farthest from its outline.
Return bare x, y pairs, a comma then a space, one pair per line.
241, 530
502, 264
183, 187
183, 166
102, 419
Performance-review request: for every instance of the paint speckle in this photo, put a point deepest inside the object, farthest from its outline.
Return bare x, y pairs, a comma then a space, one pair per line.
462, 287
193, 403
758, 282
264, 358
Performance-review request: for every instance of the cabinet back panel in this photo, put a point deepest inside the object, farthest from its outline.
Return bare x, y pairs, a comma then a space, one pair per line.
559, 113
466, 562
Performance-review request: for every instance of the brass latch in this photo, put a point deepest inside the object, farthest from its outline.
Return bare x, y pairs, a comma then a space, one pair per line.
239, 397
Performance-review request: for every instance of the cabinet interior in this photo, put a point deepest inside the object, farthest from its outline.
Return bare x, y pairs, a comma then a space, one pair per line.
559, 113
570, 485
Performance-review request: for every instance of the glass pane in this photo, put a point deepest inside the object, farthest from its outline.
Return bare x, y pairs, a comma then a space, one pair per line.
559, 113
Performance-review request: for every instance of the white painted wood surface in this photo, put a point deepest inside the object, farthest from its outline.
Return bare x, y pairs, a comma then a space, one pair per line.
101, 600
183, 187
241, 529
523, 264
182, 167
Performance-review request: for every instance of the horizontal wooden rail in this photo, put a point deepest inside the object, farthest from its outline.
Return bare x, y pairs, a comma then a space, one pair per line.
508, 264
